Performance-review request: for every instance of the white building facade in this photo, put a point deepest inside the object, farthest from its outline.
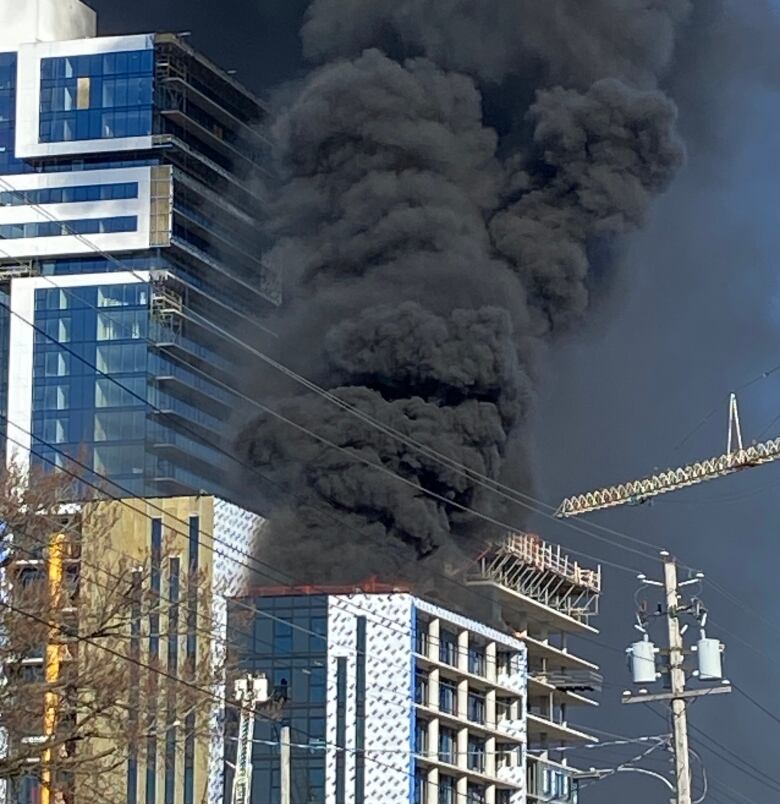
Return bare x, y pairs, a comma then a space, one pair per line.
391, 699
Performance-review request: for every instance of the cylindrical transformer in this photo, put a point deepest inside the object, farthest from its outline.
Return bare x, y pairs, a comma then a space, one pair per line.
710, 661
643, 662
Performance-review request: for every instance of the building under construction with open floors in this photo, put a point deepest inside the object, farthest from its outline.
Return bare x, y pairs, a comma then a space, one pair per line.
544, 598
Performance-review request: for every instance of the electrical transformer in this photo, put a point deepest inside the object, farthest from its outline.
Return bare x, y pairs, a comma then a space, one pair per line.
643, 662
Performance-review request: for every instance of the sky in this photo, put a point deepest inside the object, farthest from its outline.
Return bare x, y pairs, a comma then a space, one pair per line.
696, 313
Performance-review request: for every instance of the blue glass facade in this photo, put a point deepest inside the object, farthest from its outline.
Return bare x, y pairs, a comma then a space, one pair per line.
8, 161
70, 195
285, 637
137, 398
99, 420
62, 228
98, 96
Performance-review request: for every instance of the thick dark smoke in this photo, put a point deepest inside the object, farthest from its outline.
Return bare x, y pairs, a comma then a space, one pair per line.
428, 251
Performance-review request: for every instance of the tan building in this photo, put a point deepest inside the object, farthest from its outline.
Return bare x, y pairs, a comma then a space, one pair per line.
143, 583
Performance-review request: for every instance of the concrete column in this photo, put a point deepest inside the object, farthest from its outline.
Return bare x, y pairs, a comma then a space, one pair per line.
433, 738
490, 794
490, 709
490, 756
462, 788
463, 698
490, 662
463, 651
433, 639
433, 689
433, 785
463, 748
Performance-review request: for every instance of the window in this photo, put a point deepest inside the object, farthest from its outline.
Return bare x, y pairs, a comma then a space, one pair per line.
448, 742
127, 425
448, 647
69, 195
56, 397
476, 707
121, 358
476, 754
503, 797
504, 663
119, 460
421, 637
448, 697
283, 637
507, 755
55, 431
420, 786
128, 392
477, 660
447, 789
82, 93
503, 709
421, 687
94, 97
56, 364
421, 737
122, 325
88, 226
475, 794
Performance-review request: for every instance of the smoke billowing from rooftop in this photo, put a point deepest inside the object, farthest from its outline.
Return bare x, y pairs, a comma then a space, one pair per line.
455, 176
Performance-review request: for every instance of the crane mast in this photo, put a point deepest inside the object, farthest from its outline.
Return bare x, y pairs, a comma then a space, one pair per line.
736, 458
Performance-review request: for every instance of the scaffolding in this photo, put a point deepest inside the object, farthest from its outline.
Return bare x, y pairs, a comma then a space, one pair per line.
529, 566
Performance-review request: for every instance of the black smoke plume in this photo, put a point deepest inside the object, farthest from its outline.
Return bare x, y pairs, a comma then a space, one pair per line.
456, 174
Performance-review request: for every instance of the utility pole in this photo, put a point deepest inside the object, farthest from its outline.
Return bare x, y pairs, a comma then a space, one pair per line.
284, 753
643, 666
682, 770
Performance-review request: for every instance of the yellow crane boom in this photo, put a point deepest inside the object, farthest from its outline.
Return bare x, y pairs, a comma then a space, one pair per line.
735, 459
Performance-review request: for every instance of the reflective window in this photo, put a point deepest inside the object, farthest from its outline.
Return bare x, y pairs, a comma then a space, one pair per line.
447, 745
447, 789
477, 660
476, 754
421, 687
8, 161
476, 794
476, 707
69, 195
18, 231
94, 97
448, 647
448, 697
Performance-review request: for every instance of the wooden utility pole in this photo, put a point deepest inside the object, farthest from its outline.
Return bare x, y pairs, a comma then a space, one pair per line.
644, 669
682, 768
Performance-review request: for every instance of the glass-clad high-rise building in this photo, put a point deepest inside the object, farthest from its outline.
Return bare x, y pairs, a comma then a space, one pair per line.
131, 182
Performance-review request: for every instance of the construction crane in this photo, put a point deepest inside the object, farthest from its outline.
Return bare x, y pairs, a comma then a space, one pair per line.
736, 458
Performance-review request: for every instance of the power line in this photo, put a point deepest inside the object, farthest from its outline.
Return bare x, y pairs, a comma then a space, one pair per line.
481, 479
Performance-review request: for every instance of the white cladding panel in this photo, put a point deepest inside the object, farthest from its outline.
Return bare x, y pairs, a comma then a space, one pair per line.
22, 344
28, 98
23, 21
31, 247
389, 665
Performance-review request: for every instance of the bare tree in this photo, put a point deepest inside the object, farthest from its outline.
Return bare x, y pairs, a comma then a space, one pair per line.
97, 674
